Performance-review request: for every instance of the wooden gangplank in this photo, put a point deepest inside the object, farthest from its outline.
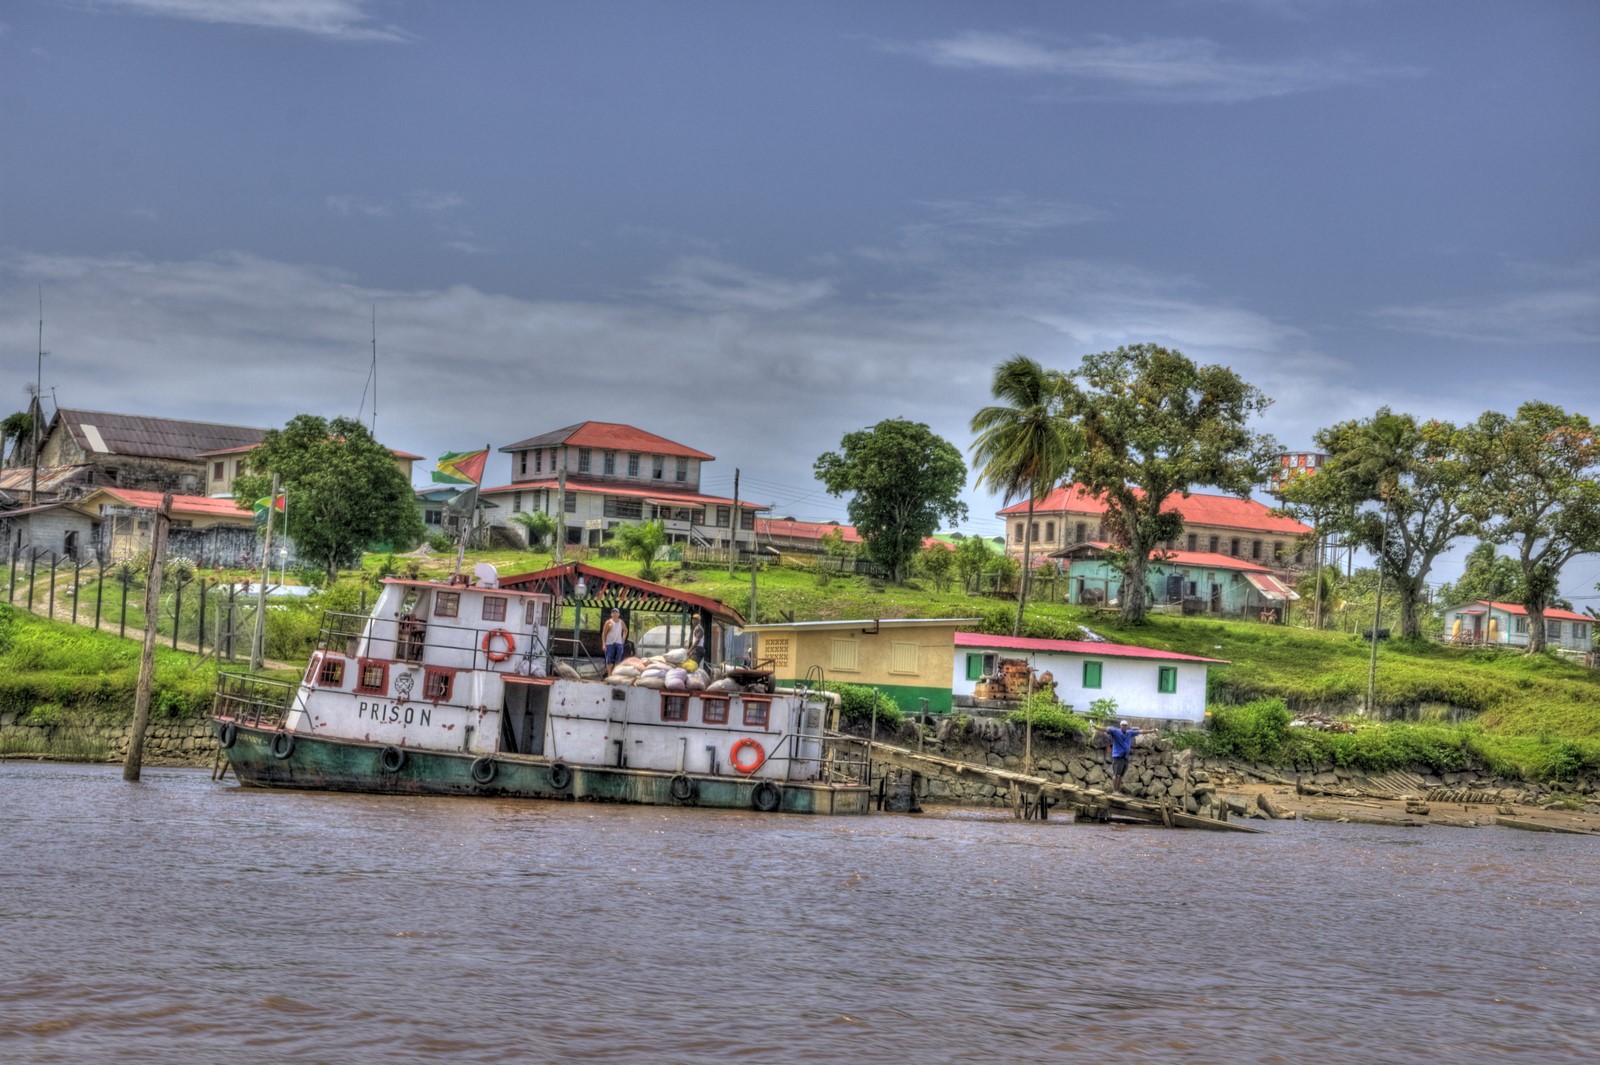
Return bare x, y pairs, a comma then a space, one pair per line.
1092, 804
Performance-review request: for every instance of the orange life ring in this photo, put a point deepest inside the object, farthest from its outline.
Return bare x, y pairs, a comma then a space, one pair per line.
733, 756
498, 656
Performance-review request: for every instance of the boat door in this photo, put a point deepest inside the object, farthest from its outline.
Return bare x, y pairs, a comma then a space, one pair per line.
527, 707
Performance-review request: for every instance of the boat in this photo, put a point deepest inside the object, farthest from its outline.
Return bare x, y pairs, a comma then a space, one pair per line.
471, 687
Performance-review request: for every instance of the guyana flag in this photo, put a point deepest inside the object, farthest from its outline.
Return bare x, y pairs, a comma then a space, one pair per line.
265, 504
461, 467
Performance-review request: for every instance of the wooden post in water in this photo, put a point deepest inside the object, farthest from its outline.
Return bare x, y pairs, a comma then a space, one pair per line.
152, 610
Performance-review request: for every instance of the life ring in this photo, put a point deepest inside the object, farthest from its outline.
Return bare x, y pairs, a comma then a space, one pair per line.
282, 745
498, 634
227, 735
683, 788
483, 770
393, 759
738, 748
766, 796
560, 776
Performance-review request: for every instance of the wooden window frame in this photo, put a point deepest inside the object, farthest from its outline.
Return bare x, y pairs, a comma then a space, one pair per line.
494, 607
975, 665
896, 650
675, 708
1094, 675
834, 647
433, 674
362, 687
717, 717
1167, 680
764, 719
440, 601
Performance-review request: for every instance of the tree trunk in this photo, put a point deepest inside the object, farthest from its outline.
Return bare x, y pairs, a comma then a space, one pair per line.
1410, 606
1536, 642
1027, 562
1134, 604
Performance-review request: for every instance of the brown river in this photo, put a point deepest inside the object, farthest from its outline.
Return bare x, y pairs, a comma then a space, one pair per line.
177, 920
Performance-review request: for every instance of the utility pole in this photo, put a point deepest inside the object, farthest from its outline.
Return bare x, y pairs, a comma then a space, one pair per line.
38, 405
733, 536
134, 761
561, 510
258, 643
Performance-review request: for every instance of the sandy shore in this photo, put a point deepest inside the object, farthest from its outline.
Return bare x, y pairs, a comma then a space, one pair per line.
1366, 807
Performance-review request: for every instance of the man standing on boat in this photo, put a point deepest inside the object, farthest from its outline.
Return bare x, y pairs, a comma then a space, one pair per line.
614, 635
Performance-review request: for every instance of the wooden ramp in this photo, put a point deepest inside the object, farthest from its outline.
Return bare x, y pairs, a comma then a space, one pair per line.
1032, 794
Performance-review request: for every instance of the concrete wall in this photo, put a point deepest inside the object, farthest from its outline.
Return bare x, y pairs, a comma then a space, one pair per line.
796, 650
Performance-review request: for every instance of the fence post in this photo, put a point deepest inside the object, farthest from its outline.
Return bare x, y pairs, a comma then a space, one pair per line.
122, 625
177, 611
55, 561
33, 566
77, 586
99, 592
233, 594
11, 588
200, 622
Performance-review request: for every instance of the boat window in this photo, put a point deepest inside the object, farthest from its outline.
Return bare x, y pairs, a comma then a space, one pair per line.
436, 683
311, 667
757, 712
330, 674
372, 677
446, 604
494, 608
713, 710
533, 615
674, 708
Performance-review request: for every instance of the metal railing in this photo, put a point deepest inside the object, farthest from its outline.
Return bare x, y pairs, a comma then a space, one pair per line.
251, 700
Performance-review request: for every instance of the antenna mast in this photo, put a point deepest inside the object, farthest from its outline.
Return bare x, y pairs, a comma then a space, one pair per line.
38, 405
374, 371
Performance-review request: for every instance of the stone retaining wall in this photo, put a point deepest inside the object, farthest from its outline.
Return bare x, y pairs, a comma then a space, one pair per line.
189, 742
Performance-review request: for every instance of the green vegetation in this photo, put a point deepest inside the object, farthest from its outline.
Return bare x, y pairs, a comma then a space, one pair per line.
857, 703
1050, 718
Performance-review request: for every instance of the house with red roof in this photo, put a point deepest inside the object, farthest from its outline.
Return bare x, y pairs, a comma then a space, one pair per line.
1147, 684
595, 476
1482, 622
806, 537
1192, 582
1212, 524
209, 531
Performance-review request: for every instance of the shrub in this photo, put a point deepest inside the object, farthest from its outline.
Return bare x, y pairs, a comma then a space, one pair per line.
856, 702
1050, 718
1254, 732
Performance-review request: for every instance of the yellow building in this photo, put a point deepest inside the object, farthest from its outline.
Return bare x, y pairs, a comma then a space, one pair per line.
908, 659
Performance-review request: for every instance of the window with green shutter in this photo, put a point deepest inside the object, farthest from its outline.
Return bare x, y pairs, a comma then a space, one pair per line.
1091, 674
1168, 680
974, 667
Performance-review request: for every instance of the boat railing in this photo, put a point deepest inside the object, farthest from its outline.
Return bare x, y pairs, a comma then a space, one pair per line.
253, 701
579, 657
343, 633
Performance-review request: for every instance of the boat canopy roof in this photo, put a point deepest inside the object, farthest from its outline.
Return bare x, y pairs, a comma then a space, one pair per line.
603, 588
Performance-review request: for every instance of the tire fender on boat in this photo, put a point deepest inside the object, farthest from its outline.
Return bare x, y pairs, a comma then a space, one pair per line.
766, 796
227, 735
282, 745
739, 748
683, 788
560, 776
483, 770
393, 759
488, 642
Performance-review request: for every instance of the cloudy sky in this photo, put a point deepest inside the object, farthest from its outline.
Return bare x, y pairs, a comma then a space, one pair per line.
754, 227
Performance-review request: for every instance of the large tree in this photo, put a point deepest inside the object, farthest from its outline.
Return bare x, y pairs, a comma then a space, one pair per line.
1154, 424
902, 479
1403, 489
1541, 489
1488, 575
1024, 446
344, 488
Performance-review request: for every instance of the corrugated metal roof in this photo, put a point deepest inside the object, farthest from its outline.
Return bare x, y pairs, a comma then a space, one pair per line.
1075, 647
1271, 587
137, 436
210, 506
608, 436
1198, 508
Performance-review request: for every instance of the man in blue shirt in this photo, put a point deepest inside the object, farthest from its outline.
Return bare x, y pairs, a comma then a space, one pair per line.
1121, 747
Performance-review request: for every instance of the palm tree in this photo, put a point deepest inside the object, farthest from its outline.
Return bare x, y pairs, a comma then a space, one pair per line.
538, 526
1024, 447
642, 542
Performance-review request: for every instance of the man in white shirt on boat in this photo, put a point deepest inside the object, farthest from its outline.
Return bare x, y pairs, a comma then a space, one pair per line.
614, 635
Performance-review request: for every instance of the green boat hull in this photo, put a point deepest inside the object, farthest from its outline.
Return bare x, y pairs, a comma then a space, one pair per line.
269, 758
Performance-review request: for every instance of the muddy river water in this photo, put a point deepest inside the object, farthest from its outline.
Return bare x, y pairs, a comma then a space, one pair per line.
179, 920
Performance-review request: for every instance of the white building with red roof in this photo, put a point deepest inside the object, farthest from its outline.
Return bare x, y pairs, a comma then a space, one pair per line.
595, 476
1212, 524
1506, 624
1147, 684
